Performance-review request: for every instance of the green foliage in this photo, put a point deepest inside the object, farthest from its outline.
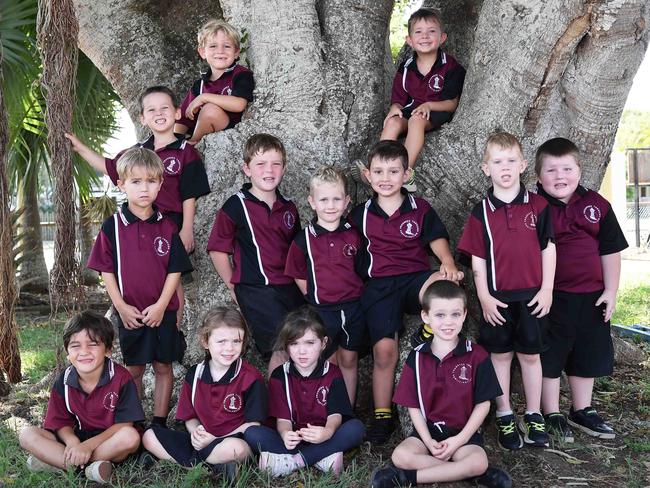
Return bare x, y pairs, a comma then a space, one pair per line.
398, 28
633, 130
38, 343
633, 306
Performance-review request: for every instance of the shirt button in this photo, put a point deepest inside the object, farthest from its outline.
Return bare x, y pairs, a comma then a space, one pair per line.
331, 244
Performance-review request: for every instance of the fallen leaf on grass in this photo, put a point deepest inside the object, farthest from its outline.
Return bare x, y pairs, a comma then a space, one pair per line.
567, 457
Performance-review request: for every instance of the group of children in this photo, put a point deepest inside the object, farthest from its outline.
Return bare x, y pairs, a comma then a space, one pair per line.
546, 267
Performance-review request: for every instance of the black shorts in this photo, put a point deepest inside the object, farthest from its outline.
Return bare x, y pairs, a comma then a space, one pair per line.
264, 307
436, 118
385, 300
345, 324
178, 445
578, 337
440, 433
163, 344
522, 332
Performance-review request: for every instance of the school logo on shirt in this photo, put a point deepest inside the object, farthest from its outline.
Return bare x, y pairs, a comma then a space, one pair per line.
161, 245
226, 90
436, 82
232, 403
321, 395
592, 214
289, 219
530, 221
172, 165
349, 250
409, 229
110, 401
462, 373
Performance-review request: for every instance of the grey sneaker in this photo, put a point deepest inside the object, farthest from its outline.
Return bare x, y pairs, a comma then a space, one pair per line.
99, 472
277, 464
331, 464
36, 465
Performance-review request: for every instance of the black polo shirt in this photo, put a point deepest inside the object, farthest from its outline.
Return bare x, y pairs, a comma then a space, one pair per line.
327, 261
400, 243
114, 400
184, 175
447, 390
236, 81
258, 237
222, 406
443, 82
585, 229
308, 400
140, 253
510, 237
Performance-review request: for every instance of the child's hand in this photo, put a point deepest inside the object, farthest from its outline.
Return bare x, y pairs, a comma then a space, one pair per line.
435, 447
543, 300
231, 289
153, 314
450, 446
393, 112
187, 237
131, 316
609, 299
290, 438
194, 107
315, 434
201, 438
450, 272
76, 455
74, 141
491, 313
422, 111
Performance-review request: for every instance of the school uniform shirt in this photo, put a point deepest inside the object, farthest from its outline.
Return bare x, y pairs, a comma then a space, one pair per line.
222, 406
444, 81
447, 390
326, 259
184, 173
585, 229
510, 237
308, 400
258, 237
114, 400
397, 244
140, 253
236, 81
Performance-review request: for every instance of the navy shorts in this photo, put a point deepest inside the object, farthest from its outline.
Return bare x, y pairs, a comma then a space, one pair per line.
163, 344
386, 299
522, 332
178, 445
264, 307
578, 337
440, 433
345, 324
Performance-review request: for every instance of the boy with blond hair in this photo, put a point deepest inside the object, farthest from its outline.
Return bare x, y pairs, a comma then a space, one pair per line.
589, 244
322, 260
217, 100
141, 257
509, 238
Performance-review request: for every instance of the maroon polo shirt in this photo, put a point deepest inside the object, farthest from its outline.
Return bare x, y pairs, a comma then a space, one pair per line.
308, 400
184, 175
510, 237
400, 243
114, 400
140, 253
443, 82
585, 229
257, 236
237, 81
327, 261
222, 406
447, 390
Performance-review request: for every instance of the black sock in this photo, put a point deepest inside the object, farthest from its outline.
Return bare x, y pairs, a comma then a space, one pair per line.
162, 421
411, 476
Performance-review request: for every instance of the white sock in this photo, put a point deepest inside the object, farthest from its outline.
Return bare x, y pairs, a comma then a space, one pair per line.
503, 413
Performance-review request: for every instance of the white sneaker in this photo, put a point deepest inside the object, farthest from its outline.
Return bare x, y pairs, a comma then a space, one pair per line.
278, 464
35, 465
331, 464
99, 471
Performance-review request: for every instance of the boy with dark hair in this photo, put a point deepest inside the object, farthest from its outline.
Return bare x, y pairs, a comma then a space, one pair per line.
92, 407
509, 239
589, 244
447, 385
400, 232
256, 227
141, 258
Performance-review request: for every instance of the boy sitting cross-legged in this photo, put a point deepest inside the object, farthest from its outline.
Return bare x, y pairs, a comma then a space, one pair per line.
400, 232
141, 258
509, 238
92, 407
447, 385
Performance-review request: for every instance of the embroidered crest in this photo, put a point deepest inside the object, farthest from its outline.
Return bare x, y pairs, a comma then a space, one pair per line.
530, 221
321, 395
172, 165
436, 82
409, 229
289, 219
161, 245
592, 214
349, 250
462, 373
110, 401
232, 403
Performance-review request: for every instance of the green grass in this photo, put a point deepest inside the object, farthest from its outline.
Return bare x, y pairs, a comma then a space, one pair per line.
39, 340
633, 306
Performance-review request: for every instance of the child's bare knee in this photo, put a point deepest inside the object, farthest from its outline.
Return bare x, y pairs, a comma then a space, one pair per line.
385, 353
401, 458
129, 438
149, 438
528, 359
27, 436
478, 465
240, 450
162, 369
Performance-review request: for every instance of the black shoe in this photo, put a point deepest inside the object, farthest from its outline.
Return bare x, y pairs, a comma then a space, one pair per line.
509, 437
558, 427
146, 460
494, 478
388, 477
228, 470
420, 336
588, 421
534, 430
380, 430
